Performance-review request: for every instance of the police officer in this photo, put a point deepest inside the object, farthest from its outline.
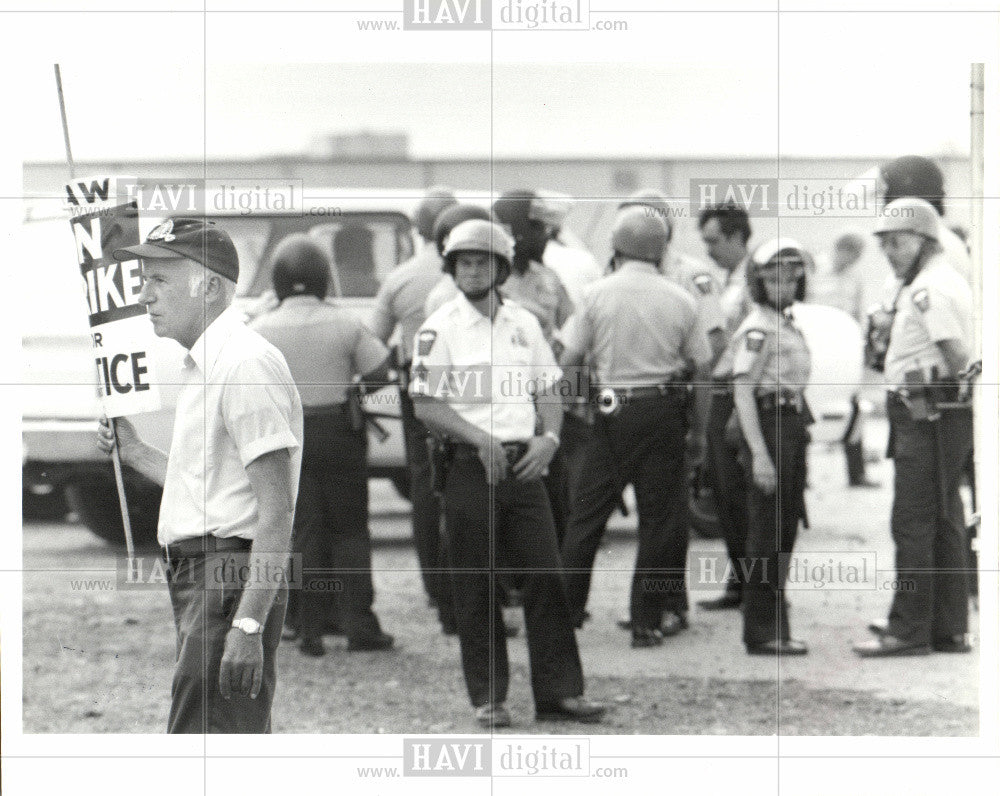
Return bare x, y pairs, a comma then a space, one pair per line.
534, 286
642, 335
725, 230
930, 341
481, 371
445, 290
326, 348
400, 304
913, 175
693, 275
771, 364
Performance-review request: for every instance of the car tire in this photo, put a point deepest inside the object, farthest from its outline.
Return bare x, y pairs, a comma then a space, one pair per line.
48, 506
94, 498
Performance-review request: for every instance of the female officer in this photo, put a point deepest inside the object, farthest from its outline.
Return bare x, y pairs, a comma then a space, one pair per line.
770, 368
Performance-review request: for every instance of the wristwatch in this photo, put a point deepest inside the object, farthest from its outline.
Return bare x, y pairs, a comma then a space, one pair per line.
249, 626
552, 436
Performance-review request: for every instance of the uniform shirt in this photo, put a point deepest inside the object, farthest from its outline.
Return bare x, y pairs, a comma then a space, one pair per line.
574, 267
540, 292
937, 305
735, 298
400, 300
639, 328
770, 334
237, 402
484, 369
697, 279
844, 289
325, 347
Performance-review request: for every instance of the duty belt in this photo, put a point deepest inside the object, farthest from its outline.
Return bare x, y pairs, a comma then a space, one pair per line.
463, 450
787, 400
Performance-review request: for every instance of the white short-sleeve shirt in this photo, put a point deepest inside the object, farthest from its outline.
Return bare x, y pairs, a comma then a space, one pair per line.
489, 372
937, 305
237, 402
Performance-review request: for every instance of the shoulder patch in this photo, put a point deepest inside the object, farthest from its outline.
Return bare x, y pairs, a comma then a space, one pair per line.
425, 342
755, 340
704, 284
518, 338
922, 299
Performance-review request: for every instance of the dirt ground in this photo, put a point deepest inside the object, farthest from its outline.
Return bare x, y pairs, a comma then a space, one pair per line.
96, 659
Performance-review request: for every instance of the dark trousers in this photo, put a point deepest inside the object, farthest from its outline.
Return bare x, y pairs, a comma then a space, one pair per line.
492, 532
426, 516
576, 438
772, 525
205, 599
331, 523
928, 527
643, 445
729, 484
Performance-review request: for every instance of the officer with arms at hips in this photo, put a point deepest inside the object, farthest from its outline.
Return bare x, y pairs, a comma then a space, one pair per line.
481, 370
771, 364
642, 336
327, 348
229, 482
931, 336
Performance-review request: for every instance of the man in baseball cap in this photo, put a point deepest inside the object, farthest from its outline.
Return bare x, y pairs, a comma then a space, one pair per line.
229, 482
191, 238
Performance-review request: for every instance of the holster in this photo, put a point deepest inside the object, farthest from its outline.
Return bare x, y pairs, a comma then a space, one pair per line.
354, 410
440, 457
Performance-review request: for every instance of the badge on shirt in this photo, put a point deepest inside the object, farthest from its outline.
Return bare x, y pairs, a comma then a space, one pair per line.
518, 338
419, 373
425, 342
922, 299
704, 284
755, 340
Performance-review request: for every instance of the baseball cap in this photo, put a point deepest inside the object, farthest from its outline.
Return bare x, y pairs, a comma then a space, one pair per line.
193, 238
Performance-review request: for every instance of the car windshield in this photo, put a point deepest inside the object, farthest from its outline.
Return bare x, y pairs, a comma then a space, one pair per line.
363, 248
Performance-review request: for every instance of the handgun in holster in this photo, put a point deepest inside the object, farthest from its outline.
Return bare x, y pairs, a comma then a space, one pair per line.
440, 458
919, 396
355, 413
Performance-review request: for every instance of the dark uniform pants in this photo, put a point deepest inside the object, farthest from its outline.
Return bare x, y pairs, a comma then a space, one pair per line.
508, 527
928, 528
772, 524
729, 484
205, 599
642, 444
331, 523
426, 518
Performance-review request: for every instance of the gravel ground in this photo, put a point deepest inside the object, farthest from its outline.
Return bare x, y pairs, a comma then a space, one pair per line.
96, 659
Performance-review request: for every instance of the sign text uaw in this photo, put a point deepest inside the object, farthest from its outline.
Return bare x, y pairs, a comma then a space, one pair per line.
119, 330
